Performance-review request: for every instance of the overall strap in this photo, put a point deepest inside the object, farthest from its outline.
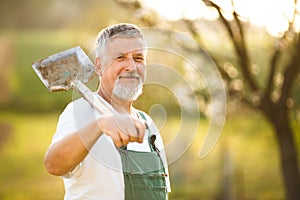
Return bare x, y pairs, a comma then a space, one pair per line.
151, 138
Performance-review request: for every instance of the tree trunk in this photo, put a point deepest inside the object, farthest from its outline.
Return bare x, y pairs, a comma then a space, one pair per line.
288, 155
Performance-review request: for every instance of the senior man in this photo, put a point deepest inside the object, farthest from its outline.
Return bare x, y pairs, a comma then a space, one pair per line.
111, 156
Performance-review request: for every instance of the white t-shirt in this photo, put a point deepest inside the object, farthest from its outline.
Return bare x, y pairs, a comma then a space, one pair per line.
99, 176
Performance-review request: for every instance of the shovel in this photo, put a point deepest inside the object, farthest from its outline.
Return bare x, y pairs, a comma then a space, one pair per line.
67, 70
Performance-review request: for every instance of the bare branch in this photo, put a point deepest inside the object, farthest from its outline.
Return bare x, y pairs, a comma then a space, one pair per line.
222, 18
238, 22
283, 42
290, 74
290, 38
238, 40
273, 66
243, 53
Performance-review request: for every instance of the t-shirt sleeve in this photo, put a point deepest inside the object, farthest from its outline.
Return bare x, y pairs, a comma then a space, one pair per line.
75, 116
65, 125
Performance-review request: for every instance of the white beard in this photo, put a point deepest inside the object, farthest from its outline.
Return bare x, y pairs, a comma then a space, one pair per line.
128, 92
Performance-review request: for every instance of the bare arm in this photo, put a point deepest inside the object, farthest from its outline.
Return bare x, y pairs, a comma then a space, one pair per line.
64, 155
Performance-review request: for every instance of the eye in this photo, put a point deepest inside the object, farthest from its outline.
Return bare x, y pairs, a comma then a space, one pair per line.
121, 58
139, 58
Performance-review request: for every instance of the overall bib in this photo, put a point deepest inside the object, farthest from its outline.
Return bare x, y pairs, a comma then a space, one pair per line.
144, 173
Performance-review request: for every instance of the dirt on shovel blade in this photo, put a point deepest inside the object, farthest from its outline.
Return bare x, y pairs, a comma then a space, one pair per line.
59, 70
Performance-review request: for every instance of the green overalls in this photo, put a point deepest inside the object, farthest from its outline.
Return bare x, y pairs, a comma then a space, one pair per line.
144, 173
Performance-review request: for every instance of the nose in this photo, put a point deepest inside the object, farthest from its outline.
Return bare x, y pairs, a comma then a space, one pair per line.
131, 65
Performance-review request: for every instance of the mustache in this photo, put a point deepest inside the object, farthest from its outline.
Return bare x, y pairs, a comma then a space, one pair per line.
129, 75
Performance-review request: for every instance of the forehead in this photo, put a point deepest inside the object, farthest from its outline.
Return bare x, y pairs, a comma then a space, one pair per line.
122, 45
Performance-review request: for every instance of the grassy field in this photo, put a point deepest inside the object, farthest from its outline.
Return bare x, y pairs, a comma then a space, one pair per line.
244, 163
22, 173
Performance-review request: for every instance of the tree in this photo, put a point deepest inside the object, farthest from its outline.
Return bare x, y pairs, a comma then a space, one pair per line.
274, 96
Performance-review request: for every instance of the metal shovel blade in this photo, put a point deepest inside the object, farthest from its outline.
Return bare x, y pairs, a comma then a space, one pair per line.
69, 69
58, 71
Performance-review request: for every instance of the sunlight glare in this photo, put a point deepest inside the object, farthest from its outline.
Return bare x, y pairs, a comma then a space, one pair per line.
274, 15
176, 9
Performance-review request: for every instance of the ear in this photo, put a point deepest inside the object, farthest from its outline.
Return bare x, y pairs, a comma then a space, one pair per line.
98, 66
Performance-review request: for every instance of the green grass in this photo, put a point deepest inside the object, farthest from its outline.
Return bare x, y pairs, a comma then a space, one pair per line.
22, 173
248, 140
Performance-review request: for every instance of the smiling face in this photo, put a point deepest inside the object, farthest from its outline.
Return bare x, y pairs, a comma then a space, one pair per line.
123, 70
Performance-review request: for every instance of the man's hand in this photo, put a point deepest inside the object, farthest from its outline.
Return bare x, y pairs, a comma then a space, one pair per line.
122, 128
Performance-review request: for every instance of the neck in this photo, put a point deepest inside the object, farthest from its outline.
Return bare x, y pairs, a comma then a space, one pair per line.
120, 105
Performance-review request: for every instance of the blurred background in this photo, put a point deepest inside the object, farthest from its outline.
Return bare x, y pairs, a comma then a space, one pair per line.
256, 48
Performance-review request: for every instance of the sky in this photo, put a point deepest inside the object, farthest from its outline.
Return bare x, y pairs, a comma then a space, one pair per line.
274, 15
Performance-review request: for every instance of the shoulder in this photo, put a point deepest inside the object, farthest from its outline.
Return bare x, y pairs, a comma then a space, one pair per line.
79, 104
76, 115
78, 107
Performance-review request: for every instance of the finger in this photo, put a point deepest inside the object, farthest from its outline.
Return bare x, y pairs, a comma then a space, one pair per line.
133, 135
125, 138
117, 140
132, 130
137, 131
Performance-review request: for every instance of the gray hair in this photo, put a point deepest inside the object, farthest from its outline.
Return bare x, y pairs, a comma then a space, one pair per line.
117, 30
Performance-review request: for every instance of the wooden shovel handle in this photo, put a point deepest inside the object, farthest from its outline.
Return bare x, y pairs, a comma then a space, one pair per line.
95, 100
